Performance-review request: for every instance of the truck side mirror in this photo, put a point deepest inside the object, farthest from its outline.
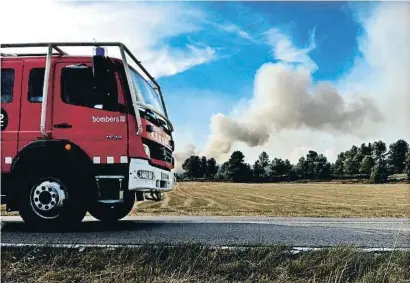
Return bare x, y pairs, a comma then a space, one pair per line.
104, 77
100, 69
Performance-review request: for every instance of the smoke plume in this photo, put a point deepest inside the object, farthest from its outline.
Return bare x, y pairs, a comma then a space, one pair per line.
285, 98
181, 156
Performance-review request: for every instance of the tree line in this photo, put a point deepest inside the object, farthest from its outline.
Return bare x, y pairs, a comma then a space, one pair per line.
374, 160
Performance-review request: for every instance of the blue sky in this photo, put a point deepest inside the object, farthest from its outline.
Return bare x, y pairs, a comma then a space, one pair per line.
335, 33
283, 77
231, 77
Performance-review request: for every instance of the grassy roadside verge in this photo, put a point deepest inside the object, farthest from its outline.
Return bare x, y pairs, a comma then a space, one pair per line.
201, 264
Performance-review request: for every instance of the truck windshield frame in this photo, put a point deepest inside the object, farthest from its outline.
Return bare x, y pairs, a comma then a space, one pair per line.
147, 95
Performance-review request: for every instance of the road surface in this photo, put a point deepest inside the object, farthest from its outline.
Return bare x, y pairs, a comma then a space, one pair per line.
221, 231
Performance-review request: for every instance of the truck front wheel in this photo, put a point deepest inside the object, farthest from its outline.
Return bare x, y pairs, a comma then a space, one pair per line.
51, 199
111, 212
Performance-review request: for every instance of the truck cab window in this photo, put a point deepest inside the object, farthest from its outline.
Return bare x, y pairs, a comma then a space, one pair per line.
35, 85
7, 84
78, 88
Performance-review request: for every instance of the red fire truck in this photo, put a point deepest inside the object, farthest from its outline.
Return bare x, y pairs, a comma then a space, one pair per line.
80, 133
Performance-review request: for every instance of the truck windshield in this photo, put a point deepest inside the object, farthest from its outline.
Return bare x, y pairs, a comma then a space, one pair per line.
148, 94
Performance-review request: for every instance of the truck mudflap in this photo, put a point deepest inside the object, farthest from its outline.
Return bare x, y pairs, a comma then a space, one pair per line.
144, 177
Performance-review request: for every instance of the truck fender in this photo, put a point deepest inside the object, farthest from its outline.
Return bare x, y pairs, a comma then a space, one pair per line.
64, 154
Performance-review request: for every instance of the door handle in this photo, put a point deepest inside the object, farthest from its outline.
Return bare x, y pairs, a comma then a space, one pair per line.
62, 126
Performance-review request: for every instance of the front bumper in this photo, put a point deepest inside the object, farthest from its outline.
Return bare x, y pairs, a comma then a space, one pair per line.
158, 183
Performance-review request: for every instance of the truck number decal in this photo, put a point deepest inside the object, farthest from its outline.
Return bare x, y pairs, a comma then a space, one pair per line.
109, 137
4, 118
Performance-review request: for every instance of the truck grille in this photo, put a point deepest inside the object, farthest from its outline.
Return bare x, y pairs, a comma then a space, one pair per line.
159, 152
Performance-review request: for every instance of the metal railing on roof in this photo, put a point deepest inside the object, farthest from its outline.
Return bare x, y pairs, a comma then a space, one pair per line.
26, 54
123, 50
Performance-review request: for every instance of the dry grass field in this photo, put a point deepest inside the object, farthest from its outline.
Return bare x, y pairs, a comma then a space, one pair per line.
290, 199
310, 199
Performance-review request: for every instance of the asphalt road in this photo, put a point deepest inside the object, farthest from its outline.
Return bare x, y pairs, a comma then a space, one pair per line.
221, 231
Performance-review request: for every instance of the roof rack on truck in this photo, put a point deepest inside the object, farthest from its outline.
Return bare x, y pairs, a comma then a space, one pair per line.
57, 47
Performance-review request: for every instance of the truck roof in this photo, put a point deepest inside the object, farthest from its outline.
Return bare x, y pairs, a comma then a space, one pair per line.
57, 46
42, 57
55, 51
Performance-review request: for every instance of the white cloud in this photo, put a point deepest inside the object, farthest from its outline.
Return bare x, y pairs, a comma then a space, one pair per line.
285, 50
371, 102
168, 62
383, 70
237, 30
143, 27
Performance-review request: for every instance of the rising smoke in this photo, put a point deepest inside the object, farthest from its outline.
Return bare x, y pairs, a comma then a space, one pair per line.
181, 156
285, 98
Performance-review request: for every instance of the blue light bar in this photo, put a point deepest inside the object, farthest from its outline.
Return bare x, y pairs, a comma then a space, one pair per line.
99, 51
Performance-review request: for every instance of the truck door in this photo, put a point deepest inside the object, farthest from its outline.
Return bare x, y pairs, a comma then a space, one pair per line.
93, 119
11, 75
31, 98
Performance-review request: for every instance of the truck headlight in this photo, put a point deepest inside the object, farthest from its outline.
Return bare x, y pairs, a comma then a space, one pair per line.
145, 174
147, 151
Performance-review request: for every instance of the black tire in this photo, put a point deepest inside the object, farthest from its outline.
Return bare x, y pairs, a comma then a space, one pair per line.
52, 186
110, 213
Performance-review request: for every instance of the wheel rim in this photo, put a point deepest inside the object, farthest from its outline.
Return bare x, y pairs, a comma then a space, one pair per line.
47, 198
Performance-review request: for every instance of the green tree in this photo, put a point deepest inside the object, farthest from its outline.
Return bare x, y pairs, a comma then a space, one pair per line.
367, 164
202, 166
280, 167
263, 166
379, 172
302, 167
321, 168
211, 168
338, 166
288, 167
351, 153
363, 151
263, 159
397, 156
277, 167
192, 167
237, 170
350, 166
379, 149
408, 164
310, 159
258, 171
222, 174
313, 166
293, 173
245, 174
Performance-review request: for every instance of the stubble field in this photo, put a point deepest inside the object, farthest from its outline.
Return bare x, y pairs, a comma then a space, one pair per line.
290, 199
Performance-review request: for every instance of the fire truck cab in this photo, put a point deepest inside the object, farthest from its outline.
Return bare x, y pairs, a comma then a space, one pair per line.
81, 133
